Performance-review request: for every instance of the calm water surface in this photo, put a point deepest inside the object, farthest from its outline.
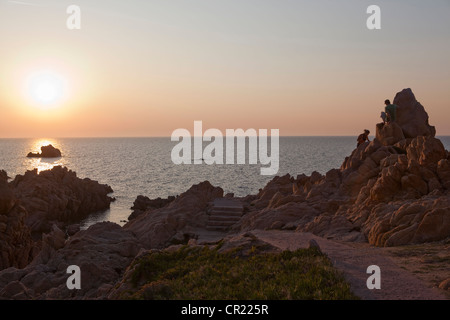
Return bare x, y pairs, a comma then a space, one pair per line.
134, 166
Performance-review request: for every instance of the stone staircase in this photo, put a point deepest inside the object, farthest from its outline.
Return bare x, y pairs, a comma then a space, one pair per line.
224, 214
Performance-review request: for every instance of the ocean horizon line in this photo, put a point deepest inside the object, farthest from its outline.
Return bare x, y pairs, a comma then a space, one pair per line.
168, 137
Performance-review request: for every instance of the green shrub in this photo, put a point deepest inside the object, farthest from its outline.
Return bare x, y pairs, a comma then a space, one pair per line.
202, 273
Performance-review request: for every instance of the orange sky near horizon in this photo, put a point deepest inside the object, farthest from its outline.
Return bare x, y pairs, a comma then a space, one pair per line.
148, 68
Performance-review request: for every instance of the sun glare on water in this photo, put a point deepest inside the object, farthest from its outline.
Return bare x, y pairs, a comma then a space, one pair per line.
42, 164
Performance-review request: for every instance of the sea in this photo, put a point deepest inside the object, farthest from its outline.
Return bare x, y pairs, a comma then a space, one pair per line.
143, 166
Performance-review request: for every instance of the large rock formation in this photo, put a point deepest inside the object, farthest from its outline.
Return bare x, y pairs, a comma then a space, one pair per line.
35, 248
105, 250
412, 121
388, 134
46, 152
143, 203
58, 196
177, 221
391, 191
411, 115
32, 204
102, 252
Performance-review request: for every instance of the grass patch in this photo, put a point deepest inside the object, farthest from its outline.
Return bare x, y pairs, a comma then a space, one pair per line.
199, 273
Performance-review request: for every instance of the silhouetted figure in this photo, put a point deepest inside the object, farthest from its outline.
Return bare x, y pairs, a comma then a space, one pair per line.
383, 116
363, 137
391, 111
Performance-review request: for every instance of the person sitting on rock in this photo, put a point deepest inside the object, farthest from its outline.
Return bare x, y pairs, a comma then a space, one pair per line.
363, 137
391, 111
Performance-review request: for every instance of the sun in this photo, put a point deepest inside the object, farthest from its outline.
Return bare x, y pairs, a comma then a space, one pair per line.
46, 89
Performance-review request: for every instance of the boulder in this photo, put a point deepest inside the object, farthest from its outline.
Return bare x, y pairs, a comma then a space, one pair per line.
16, 243
416, 221
295, 213
415, 183
46, 152
411, 115
434, 226
276, 185
388, 184
426, 150
143, 203
389, 134
385, 190
55, 239
58, 196
156, 227
102, 252
329, 226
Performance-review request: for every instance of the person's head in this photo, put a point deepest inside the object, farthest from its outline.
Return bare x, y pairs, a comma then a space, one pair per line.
367, 132
387, 102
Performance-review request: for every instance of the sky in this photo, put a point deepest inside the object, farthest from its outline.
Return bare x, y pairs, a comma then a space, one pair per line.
149, 67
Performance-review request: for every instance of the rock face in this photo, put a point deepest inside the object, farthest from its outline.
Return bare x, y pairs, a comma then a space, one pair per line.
16, 245
142, 204
36, 248
34, 204
102, 252
177, 221
427, 151
411, 115
46, 152
105, 250
394, 190
389, 134
412, 121
58, 196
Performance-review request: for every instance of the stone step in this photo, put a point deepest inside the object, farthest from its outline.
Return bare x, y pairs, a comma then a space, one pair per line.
226, 213
228, 209
221, 223
223, 202
224, 218
217, 228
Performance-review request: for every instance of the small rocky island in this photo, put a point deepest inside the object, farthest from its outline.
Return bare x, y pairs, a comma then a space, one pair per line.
46, 152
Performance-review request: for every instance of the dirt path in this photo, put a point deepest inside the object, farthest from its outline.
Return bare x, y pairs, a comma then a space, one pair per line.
353, 259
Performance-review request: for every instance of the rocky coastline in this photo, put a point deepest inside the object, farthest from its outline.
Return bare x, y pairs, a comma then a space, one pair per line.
392, 191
